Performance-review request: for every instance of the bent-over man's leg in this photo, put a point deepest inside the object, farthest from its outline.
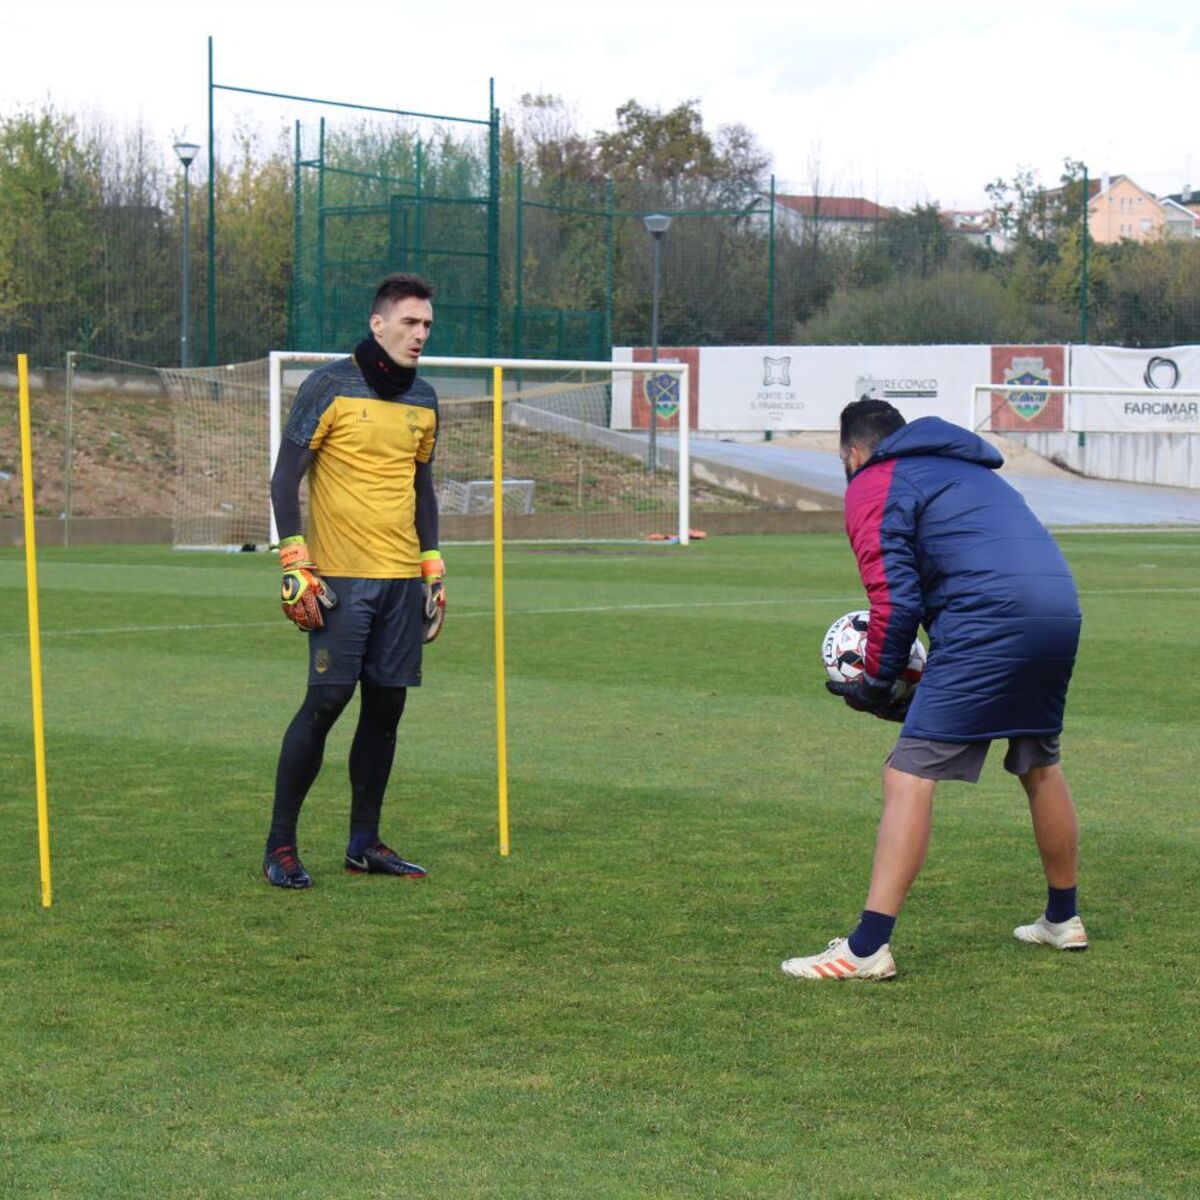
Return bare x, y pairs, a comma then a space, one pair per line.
1056, 830
1055, 826
902, 840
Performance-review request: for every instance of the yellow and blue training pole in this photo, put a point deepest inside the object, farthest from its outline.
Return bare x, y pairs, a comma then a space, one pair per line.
498, 595
35, 644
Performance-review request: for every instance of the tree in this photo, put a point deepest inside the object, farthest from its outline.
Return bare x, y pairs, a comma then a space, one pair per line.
48, 193
673, 156
953, 305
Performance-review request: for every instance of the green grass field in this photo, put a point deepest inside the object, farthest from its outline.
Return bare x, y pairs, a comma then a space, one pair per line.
601, 1014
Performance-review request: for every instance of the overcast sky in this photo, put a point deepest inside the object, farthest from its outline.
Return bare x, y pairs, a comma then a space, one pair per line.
902, 101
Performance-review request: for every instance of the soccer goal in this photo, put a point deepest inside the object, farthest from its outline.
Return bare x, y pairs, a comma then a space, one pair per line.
565, 449
1131, 434
548, 446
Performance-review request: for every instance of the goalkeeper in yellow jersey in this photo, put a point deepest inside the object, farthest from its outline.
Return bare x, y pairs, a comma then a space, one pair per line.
366, 585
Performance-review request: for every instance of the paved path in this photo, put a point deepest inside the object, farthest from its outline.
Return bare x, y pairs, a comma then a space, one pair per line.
1069, 500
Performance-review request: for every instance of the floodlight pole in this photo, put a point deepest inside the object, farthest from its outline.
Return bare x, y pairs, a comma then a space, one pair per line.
186, 152
657, 225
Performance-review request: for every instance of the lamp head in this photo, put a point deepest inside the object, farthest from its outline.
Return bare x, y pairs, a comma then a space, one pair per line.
186, 152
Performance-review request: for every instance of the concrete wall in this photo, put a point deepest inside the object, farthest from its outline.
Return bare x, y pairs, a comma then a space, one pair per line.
1169, 459
89, 531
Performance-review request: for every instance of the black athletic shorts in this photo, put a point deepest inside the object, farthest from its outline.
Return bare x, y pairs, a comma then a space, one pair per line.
375, 633
964, 760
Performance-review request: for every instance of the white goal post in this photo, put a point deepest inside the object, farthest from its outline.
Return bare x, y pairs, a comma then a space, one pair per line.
494, 375
1077, 418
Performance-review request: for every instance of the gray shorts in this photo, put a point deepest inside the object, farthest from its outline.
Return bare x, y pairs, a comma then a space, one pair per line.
964, 760
374, 633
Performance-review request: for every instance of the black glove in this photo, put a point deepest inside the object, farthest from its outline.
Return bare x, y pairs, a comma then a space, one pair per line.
871, 695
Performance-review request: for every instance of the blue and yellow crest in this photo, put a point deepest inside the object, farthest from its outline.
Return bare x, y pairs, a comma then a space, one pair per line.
662, 393
1028, 372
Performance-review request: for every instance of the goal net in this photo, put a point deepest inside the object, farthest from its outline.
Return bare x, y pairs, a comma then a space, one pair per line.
222, 486
578, 457
1137, 435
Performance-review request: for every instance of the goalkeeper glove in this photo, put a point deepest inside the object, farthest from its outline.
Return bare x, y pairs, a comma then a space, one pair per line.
871, 695
433, 589
304, 593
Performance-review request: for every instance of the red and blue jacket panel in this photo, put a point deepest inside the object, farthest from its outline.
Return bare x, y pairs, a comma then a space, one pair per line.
942, 541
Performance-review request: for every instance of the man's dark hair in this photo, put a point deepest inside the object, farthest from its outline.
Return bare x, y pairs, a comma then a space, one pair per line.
866, 423
400, 287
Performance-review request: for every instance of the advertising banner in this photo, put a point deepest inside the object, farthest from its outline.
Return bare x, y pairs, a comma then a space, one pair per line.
1026, 412
756, 388
806, 387
1165, 371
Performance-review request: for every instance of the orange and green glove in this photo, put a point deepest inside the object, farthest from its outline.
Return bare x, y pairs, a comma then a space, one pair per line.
433, 585
304, 593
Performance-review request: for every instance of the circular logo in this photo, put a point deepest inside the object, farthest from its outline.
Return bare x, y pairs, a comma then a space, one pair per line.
1161, 373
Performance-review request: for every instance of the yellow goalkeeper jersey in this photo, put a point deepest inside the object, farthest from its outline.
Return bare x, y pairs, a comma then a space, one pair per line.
362, 501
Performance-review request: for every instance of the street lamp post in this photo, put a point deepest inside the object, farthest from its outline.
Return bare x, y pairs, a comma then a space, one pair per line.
186, 152
657, 225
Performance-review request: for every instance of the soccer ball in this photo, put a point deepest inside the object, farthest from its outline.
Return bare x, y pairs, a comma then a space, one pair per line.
845, 649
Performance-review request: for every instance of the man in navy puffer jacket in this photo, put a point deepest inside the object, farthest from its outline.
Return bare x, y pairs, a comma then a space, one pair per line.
943, 541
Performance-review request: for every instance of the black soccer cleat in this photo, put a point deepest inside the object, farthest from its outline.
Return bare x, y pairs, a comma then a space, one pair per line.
284, 869
382, 860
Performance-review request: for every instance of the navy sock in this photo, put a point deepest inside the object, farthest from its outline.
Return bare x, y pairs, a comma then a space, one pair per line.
1060, 905
874, 930
361, 840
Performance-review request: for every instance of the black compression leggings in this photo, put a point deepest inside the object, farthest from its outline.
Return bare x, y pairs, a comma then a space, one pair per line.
371, 754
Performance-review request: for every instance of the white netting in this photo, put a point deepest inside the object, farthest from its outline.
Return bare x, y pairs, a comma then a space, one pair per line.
221, 425
567, 474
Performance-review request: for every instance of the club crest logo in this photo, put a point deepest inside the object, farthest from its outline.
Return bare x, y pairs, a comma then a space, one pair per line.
777, 372
322, 662
1027, 372
662, 393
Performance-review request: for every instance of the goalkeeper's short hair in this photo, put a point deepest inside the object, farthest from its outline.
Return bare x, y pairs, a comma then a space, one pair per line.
400, 286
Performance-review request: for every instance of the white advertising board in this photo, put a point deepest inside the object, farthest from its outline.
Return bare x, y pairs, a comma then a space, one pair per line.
1168, 370
757, 388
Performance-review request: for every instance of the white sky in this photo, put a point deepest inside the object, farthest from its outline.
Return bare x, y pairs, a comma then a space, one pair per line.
902, 101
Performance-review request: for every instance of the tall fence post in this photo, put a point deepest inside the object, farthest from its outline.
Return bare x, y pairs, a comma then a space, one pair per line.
519, 266
493, 238
771, 267
210, 285
1083, 280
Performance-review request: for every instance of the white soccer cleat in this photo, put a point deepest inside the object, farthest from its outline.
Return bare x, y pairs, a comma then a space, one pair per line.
837, 961
1062, 935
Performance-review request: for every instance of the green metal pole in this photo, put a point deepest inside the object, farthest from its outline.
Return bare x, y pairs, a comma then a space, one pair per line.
610, 267
293, 333
211, 279
418, 221
519, 273
320, 271
771, 268
493, 233
1083, 285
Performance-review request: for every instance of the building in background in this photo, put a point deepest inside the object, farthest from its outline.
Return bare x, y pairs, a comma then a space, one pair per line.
1120, 210
846, 216
977, 227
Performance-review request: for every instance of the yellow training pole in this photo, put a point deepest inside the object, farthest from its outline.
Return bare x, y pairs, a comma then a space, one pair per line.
498, 595
35, 646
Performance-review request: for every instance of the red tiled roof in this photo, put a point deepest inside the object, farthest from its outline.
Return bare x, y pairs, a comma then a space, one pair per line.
835, 208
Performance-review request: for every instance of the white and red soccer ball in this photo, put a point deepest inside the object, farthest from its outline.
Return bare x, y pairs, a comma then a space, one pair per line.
845, 650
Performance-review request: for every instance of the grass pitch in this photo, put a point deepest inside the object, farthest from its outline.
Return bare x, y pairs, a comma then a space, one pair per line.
602, 1014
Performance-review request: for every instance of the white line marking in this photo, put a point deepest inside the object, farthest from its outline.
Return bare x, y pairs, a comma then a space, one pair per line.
462, 614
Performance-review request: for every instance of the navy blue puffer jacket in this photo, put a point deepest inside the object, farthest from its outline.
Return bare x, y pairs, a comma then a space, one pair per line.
943, 541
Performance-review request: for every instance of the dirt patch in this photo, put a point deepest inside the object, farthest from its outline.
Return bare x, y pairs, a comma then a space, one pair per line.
121, 452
